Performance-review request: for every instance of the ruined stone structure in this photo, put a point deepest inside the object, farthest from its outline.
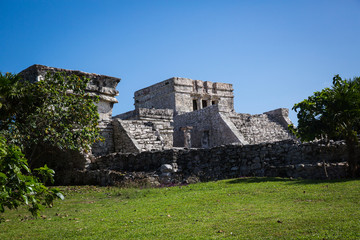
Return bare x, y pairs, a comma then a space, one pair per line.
286, 158
164, 110
143, 130
185, 95
208, 108
185, 130
100, 85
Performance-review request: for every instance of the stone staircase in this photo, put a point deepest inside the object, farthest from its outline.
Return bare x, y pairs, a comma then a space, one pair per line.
136, 136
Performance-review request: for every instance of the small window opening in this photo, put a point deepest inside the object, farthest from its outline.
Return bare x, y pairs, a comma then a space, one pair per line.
195, 105
204, 103
213, 102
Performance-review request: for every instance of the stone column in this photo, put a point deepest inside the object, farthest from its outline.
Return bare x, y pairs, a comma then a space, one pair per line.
187, 136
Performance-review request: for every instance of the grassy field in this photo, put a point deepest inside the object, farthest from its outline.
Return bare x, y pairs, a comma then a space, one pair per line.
250, 208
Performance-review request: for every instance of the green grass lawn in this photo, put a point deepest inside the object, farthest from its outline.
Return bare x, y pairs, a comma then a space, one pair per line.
250, 208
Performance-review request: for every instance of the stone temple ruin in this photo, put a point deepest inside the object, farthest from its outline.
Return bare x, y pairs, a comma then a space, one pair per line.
177, 112
201, 110
191, 127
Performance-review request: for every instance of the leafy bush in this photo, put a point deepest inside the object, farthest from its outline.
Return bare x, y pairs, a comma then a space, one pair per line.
56, 112
333, 113
18, 186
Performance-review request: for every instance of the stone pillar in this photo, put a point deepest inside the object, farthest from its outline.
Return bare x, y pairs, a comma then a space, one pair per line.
187, 136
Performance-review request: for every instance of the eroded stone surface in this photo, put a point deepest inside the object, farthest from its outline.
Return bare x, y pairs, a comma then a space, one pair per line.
279, 159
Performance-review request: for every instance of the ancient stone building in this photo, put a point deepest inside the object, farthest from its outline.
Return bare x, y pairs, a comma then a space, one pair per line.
185, 95
177, 112
204, 114
183, 131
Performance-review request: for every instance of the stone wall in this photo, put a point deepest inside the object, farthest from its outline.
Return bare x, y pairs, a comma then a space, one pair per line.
106, 146
124, 141
281, 159
281, 116
214, 126
100, 85
268, 127
210, 128
184, 95
160, 96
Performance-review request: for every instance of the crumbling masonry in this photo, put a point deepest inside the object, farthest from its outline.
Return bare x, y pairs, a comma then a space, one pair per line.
194, 121
208, 109
164, 110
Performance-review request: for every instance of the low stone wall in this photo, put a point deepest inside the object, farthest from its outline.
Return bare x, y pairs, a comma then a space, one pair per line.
281, 159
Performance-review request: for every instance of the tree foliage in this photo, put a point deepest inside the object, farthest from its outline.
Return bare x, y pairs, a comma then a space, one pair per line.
56, 111
18, 186
332, 113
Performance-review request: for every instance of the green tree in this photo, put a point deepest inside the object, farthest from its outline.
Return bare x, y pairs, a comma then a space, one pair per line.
18, 186
55, 112
333, 113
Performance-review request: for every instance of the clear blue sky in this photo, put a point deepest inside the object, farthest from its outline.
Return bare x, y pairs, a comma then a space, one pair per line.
275, 53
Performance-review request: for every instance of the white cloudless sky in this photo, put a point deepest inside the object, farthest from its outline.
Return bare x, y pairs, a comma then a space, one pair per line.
275, 53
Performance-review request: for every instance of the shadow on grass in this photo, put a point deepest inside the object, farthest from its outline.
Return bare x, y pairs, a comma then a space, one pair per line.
288, 180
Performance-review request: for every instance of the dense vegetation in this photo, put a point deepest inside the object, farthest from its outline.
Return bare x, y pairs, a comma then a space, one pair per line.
333, 113
19, 186
54, 112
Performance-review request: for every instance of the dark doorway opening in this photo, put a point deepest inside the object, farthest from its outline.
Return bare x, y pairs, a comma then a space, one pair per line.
195, 105
204, 103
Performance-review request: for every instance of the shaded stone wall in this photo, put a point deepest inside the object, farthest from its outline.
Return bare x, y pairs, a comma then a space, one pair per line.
280, 159
123, 138
159, 96
106, 146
